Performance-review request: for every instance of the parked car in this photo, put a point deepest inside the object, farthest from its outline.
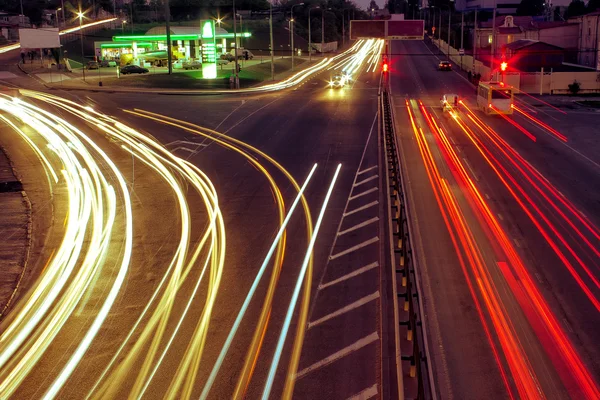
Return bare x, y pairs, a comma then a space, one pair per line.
445, 66
133, 69
242, 53
107, 63
92, 65
223, 61
227, 56
192, 65
178, 64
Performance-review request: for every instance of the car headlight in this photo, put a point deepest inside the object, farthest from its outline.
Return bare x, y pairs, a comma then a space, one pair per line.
330, 83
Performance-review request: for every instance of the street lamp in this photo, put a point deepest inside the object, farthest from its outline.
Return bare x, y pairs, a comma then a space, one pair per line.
271, 35
323, 31
80, 15
309, 33
344, 25
219, 20
123, 26
241, 28
292, 25
56, 16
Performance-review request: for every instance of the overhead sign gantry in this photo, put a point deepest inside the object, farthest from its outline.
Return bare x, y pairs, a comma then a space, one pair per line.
387, 29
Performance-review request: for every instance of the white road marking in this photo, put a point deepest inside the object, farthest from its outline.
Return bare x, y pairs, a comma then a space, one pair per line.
366, 180
359, 344
343, 310
371, 204
365, 394
367, 169
350, 275
363, 193
355, 227
500, 217
517, 243
471, 169
354, 248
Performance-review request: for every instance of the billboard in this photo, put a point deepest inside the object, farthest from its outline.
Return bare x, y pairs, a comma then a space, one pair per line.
368, 29
387, 29
405, 30
44, 38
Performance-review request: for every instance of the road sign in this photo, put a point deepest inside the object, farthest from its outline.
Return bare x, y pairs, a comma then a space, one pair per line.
369, 29
461, 52
406, 30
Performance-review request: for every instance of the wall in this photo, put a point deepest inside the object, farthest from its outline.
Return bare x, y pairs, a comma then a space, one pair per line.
529, 82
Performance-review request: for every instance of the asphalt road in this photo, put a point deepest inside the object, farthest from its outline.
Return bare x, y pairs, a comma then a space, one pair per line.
546, 208
297, 128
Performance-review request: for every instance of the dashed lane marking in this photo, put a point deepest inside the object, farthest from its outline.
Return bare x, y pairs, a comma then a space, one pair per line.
371, 204
359, 344
367, 169
366, 394
362, 224
345, 309
350, 275
354, 248
366, 192
369, 179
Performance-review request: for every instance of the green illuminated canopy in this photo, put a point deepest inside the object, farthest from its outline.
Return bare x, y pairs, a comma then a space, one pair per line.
123, 45
163, 38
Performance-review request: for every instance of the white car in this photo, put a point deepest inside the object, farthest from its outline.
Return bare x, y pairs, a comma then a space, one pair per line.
449, 102
337, 81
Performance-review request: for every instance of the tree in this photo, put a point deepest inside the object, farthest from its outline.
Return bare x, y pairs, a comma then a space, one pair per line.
373, 5
576, 8
593, 5
531, 7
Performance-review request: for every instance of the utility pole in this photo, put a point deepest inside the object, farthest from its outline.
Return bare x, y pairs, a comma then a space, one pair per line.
292, 30
449, 26
271, 33
440, 32
237, 82
475, 40
168, 31
322, 32
462, 36
493, 48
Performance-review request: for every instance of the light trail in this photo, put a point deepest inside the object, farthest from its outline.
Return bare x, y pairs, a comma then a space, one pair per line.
16, 46
242, 311
155, 156
568, 364
553, 131
295, 294
261, 326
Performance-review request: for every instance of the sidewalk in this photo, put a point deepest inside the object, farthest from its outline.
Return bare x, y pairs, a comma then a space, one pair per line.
15, 224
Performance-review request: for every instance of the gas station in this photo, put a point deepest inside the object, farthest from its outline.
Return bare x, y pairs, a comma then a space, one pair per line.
204, 44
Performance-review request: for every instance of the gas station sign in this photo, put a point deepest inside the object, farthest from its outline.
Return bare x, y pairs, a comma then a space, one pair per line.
209, 50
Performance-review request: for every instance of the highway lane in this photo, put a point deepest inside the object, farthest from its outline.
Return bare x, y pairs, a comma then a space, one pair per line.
298, 128
561, 266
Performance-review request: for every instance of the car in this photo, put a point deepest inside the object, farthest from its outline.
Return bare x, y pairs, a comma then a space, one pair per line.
107, 63
222, 61
133, 69
192, 65
347, 76
337, 81
92, 65
445, 66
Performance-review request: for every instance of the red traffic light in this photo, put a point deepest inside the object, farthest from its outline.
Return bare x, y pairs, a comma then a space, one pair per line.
385, 67
503, 66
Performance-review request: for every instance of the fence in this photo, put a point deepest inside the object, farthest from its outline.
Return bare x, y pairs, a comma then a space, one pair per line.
542, 82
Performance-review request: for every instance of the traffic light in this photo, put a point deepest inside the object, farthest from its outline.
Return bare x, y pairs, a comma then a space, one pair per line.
503, 66
385, 67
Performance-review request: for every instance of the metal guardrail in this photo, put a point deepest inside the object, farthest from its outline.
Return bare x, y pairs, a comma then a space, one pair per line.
414, 378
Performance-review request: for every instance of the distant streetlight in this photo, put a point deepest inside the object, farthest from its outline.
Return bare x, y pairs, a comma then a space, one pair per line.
123, 26
292, 25
309, 33
219, 20
56, 16
80, 16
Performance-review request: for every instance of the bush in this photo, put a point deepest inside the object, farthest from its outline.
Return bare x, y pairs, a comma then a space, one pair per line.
574, 87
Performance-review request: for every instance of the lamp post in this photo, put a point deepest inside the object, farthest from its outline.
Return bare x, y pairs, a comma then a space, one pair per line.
323, 31
241, 28
344, 25
237, 81
309, 33
62, 6
271, 34
292, 22
56, 16
123, 26
80, 15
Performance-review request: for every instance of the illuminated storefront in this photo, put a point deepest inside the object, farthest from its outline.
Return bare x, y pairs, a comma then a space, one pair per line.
205, 43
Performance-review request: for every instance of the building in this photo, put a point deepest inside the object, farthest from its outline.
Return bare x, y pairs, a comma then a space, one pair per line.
508, 29
532, 55
502, 6
204, 43
589, 39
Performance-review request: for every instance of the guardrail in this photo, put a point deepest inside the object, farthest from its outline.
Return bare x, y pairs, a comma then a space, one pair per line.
414, 374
